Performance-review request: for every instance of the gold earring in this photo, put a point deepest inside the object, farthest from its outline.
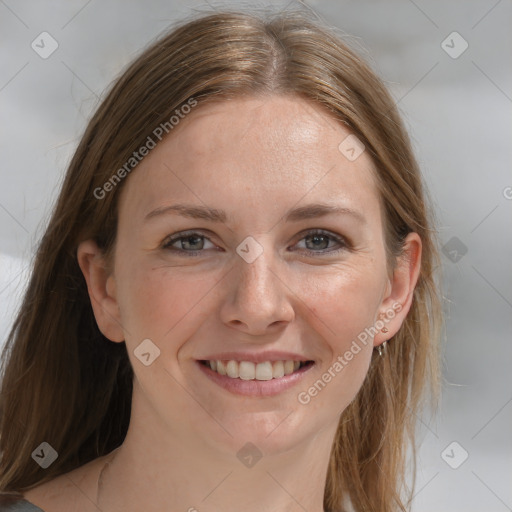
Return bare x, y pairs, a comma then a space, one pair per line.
381, 349
384, 330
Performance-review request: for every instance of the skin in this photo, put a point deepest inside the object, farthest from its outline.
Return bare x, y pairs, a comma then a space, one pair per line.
256, 158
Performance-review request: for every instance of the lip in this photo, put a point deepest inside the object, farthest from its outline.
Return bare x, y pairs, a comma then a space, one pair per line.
259, 357
256, 388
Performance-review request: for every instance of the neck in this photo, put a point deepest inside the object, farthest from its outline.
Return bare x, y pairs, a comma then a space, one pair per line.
155, 469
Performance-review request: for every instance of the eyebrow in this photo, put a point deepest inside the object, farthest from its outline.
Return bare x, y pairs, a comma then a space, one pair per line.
309, 211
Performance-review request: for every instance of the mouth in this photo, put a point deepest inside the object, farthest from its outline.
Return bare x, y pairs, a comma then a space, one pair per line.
247, 370
266, 378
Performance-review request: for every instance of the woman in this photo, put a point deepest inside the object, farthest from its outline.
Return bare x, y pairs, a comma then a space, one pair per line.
234, 305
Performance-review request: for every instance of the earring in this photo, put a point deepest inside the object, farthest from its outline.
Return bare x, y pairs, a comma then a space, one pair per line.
384, 330
381, 349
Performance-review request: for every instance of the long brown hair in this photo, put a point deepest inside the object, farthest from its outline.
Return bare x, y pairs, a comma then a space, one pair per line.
66, 384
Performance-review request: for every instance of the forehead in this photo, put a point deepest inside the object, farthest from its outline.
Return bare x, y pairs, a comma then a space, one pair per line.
254, 151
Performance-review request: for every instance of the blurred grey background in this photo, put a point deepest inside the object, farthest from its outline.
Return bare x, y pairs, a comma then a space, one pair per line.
449, 66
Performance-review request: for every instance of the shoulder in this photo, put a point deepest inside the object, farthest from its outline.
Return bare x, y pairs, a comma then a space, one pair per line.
69, 491
64, 492
14, 502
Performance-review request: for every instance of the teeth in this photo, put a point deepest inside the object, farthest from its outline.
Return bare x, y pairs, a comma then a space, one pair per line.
278, 369
246, 370
221, 369
288, 367
264, 371
232, 369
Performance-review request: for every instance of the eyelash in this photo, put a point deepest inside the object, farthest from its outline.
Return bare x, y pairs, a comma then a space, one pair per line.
168, 242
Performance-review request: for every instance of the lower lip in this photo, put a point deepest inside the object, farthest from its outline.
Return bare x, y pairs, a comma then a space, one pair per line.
257, 388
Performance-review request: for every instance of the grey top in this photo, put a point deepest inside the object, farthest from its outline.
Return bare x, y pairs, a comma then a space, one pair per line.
16, 504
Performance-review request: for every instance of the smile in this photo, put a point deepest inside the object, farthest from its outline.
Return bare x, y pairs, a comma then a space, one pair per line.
266, 378
247, 370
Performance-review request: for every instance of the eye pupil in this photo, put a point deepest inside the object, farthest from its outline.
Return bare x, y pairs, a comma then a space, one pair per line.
186, 242
323, 239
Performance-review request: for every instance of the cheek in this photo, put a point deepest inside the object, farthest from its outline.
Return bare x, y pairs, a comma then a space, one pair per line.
343, 308
344, 301
161, 304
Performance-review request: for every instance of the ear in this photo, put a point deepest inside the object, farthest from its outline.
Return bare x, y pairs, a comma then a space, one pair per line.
102, 290
399, 293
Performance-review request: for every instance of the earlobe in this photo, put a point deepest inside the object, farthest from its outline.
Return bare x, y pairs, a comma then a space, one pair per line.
399, 295
102, 290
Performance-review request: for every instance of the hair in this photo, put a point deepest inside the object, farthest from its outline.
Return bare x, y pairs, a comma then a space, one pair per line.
65, 383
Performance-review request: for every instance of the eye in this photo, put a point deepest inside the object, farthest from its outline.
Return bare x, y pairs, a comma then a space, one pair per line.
320, 242
317, 242
190, 242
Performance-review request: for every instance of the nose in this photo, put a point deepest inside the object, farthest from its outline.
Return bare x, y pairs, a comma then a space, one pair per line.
258, 301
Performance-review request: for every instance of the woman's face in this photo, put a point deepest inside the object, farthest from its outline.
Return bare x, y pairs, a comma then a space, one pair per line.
223, 252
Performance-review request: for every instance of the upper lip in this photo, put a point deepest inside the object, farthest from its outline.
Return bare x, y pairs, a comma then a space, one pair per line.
259, 357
